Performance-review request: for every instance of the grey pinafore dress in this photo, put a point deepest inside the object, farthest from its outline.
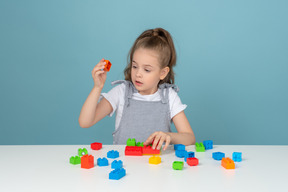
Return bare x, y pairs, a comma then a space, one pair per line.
142, 118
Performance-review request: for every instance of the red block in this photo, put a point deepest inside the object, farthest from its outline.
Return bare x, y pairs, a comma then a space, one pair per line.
87, 161
96, 146
108, 65
192, 161
133, 151
147, 150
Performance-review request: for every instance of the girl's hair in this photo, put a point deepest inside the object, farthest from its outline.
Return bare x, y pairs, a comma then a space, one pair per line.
161, 41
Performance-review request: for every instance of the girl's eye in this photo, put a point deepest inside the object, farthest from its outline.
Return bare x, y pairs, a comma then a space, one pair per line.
133, 66
147, 70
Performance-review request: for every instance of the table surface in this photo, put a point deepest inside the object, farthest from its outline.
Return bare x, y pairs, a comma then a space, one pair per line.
47, 168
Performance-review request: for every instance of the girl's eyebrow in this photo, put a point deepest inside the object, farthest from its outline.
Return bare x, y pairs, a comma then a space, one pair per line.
146, 65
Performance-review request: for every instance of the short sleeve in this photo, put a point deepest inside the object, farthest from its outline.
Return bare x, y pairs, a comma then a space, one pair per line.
176, 106
114, 96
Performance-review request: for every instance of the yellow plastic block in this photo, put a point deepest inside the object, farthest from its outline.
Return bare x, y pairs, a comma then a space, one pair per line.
155, 160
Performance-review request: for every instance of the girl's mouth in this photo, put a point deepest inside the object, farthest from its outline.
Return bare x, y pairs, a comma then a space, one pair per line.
138, 83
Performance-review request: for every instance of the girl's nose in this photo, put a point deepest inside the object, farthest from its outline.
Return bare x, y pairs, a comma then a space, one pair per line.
138, 74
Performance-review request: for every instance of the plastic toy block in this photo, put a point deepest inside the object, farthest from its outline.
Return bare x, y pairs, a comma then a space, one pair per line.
180, 153
102, 162
107, 66
87, 161
117, 164
131, 142
155, 160
179, 147
199, 147
192, 161
228, 163
113, 154
117, 174
189, 154
218, 155
147, 150
96, 146
237, 156
178, 165
82, 152
208, 144
133, 151
140, 144
75, 160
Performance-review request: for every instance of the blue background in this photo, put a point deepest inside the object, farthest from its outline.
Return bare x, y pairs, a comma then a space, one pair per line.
232, 66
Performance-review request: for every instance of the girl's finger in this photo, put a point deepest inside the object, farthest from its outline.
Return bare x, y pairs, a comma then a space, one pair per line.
167, 142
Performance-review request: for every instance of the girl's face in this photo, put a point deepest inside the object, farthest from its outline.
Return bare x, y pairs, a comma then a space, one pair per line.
146, 71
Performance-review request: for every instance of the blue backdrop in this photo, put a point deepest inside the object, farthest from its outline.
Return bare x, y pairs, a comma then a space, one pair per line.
232, 65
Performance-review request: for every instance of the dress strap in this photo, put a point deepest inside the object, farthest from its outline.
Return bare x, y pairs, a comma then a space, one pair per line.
165, 87
129, 89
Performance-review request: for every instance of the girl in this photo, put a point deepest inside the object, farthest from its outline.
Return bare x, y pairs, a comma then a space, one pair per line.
147, 101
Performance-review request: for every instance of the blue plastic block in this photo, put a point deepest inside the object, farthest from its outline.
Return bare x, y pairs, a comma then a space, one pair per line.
180, 153
189, 154
237, 156
113, 154
117, 174
116, 164
208, 144
218, 155
102, 162
179, 147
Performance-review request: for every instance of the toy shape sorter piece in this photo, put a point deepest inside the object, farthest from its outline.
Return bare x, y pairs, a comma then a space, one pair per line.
192, 161
96, 146
189, 154
131, 142
133, 151
82, 152
117, 174
237, 156
155, 160
102, 162
218, 155
87, 161
208, 144
107, 65
179, 147
113, 154
75, 160
147, 150
116, 164
199, 147
178, 165
228, 163
180, 153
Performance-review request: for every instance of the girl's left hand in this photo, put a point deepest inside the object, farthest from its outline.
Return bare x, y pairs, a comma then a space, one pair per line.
158, 138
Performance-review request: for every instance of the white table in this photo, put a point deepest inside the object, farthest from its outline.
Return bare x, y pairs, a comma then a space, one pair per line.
47, 168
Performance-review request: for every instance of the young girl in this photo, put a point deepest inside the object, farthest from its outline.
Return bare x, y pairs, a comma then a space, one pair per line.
147, 101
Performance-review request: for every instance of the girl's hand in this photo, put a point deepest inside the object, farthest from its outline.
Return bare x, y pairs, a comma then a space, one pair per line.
158, 138
99, 75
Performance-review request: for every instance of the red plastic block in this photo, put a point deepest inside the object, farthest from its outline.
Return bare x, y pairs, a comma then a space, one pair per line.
87, 161
96, 146
192, 161
147, 150
228, 163
108, 65
133, 151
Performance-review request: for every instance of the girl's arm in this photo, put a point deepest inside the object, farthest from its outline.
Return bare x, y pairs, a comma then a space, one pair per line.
183, 136
92, 111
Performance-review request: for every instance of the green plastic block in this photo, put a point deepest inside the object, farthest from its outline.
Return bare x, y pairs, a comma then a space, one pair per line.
140, 144
82, 152
199, 147
131, 142
75, 160
178, 165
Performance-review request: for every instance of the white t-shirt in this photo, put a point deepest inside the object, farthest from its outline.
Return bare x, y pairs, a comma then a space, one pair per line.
116, 98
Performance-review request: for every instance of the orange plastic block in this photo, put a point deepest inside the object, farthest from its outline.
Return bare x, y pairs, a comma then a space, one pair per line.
133, 151
108, 65
147, 150
155, 160
228, 163
87, 161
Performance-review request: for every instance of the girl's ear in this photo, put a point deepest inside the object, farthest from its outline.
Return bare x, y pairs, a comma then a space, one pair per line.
164, 72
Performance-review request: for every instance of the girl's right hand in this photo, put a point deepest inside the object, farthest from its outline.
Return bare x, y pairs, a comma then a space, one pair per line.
99, 75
